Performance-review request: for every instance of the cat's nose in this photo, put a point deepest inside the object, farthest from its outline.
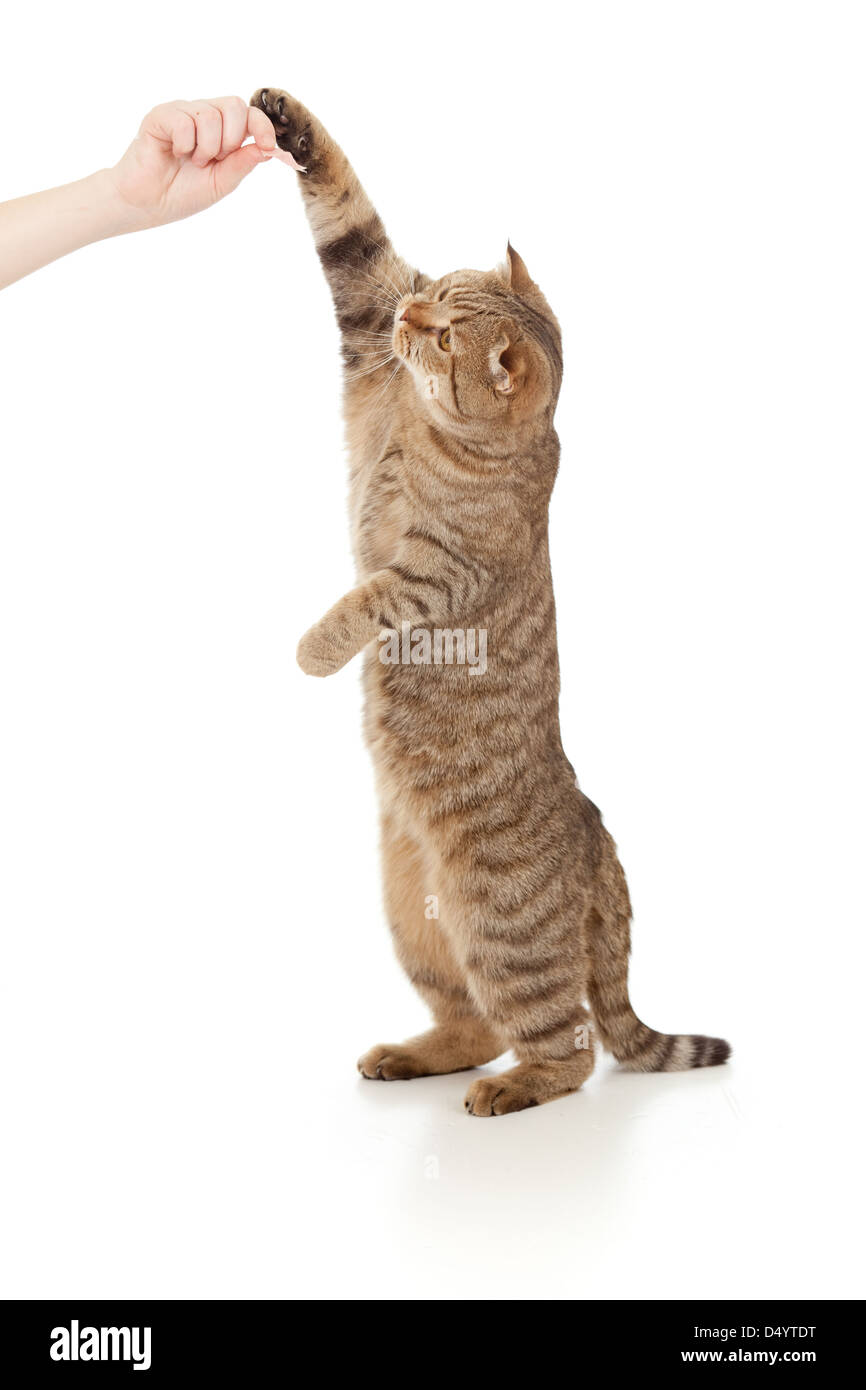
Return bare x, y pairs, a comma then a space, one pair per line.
413, 313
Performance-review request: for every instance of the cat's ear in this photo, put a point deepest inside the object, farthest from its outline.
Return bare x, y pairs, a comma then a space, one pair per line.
519, 277
508, 366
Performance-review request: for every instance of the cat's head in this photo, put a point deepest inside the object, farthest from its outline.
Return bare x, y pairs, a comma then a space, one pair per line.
484, 348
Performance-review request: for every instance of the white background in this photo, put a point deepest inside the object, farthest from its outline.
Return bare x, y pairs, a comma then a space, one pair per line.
193, 947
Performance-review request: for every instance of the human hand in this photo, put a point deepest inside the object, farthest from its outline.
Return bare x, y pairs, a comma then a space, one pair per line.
189, 154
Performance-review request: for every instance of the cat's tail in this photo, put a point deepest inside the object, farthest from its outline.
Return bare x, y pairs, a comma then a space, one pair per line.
638, 1047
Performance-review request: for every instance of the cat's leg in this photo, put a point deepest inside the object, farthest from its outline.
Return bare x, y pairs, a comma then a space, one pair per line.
460, 1038
528, 972
548, 1067
366, 276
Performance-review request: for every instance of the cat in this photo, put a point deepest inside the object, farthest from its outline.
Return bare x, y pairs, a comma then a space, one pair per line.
507, 902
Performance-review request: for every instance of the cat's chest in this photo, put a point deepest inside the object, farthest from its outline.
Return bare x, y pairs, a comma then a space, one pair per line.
380, 511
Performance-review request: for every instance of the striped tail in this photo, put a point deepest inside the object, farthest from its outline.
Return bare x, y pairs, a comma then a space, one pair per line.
638, 1047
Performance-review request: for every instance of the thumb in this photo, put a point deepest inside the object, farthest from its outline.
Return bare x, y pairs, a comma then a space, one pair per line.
235, 167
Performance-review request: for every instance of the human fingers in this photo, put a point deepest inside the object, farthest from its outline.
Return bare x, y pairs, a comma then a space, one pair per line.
208, 131
260, 128
233, 111
171, 124
229, 172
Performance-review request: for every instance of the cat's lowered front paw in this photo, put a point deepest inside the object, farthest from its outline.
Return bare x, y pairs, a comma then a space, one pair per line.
318, 653
292, 122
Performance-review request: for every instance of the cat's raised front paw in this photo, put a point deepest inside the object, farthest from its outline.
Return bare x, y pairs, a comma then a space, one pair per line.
292, 122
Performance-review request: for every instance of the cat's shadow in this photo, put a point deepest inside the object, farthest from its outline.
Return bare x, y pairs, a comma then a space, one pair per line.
599, 1141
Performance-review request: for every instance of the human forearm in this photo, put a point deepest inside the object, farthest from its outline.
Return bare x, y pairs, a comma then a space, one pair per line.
41, 227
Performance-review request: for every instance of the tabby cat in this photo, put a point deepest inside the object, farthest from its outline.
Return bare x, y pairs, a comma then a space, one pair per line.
505, 896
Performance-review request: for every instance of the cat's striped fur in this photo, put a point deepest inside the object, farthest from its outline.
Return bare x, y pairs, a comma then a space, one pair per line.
453, 458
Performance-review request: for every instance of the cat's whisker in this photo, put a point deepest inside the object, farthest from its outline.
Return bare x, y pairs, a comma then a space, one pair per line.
368, 296
391, 288
359, 356
353, 356
370, 371
365, 367
380, 394
378, 344
350, 374
371, 290
369, 350
387, 284
400, 292
369, 333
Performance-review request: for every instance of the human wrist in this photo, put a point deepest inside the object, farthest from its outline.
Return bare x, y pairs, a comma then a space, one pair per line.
113, 214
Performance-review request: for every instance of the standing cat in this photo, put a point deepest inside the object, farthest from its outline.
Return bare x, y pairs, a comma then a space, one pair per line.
450, 390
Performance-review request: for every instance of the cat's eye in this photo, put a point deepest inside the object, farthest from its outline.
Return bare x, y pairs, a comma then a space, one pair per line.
445, 340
